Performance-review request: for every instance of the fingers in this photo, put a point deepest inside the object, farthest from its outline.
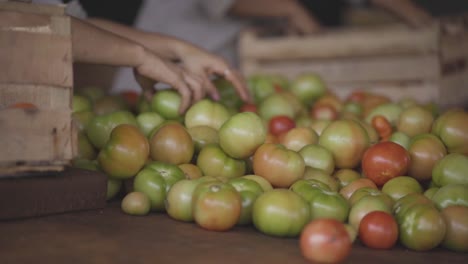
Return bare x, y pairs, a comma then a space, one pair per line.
195, 84
211, 89
239, 83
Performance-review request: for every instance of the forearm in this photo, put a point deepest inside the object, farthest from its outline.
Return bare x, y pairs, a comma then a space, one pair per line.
164, 46
94, 45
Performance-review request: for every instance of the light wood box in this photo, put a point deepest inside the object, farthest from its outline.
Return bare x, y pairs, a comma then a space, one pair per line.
428, 64
36, 67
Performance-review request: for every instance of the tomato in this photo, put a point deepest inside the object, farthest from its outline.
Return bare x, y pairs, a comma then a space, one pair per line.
451, 194
216, 206
85, 150
79, 104
125, 153
167, 103
113, 188
347, 140
346, 176
148, 121
171, 173
452, 128
266, 185
378, 230
248, 108
384, 161
451, 169
318, 157
276, 104
319, 125
365, 205
329, 204
136, 203
404, 204
249, 191
308, 87
349, 189
202, 136
100, 126
206, 113
382, 126
151, 183
131, 97
172, 143
390, 111
422, 227
400, 138
191, 171
109, 104
297, 138
280, 166
280, 212
456, 220
325, 241
401, 186
425, 151
322, 111
366, 191
213, 161
415, 120
280, 124
178, 202
241, 135
320, 175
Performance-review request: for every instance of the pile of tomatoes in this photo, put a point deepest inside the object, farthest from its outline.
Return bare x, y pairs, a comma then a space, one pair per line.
299, 162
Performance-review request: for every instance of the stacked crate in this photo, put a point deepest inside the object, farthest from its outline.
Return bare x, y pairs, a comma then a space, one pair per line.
35, 68
427, 64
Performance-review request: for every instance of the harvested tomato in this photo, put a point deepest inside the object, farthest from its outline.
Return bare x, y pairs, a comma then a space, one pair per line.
325, 241
384, 161
378, 230
382, 126
280, 124
248, 108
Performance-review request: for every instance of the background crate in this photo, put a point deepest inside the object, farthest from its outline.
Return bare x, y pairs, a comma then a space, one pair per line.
427, 64
36, 67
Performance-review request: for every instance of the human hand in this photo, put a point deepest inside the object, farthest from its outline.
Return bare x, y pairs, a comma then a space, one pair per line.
154, 69
205, 65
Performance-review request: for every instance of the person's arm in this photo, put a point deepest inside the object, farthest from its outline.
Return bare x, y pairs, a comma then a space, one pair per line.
292, 10
194, 59
405, 9
95, 45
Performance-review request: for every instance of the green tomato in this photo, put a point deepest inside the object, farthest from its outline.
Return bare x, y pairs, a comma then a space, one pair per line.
213, 161
147, 121
451, 169
242, 134
329, 204
280, 212
422, 227
136, 203
171, 173
400, 186
167, 103
206, 113
451, 194
151, 183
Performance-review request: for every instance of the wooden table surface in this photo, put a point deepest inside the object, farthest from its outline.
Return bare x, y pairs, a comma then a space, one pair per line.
109, 236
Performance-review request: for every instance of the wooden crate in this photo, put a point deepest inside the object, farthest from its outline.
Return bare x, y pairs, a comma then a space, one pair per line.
428, 64
36, 67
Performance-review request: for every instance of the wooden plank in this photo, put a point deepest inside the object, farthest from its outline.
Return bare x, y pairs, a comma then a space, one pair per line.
45, 97
454, 89
394, 39
383, 68
34, 8
48, 61
37, 135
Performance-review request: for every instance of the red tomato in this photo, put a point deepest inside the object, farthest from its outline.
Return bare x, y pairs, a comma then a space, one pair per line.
248, 108
384, 161
325, 241
280, 124
378, 230
131, 97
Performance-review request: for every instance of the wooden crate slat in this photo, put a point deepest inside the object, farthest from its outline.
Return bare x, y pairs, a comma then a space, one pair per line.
342, 43
37, 135
48, 61
45, 97
41, 9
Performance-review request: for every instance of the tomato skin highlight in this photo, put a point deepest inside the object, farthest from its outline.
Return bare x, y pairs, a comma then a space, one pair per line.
378, 230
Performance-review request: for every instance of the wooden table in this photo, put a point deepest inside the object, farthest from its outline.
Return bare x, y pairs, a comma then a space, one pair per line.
109, 236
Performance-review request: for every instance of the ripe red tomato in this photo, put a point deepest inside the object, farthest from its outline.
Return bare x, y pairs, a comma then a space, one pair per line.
384, 161
325, 241
378, 229
280, 124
